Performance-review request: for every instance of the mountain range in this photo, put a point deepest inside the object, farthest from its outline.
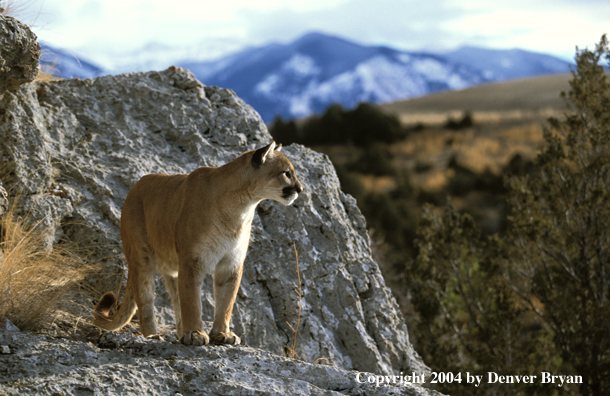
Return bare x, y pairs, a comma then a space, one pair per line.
307, 75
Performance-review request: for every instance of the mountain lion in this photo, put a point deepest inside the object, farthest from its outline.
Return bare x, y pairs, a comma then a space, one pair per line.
186, 226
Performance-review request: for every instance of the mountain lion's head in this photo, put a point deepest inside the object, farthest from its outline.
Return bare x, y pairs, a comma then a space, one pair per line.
279, 178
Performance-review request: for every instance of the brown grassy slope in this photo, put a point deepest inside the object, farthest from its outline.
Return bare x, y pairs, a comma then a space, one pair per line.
531, 98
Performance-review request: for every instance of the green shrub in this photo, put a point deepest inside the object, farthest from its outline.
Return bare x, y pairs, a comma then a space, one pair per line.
467, 318
560, 221
361, 126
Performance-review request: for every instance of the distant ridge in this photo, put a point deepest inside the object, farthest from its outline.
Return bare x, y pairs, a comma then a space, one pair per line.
510, 64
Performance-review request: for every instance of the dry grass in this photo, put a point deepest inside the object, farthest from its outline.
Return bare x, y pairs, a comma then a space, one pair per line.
20, 9
290, 349
47, 72
7, 8
484, 147
378, 184
36, 281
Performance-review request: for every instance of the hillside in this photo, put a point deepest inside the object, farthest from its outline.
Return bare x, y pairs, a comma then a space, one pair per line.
530, 98
507, 120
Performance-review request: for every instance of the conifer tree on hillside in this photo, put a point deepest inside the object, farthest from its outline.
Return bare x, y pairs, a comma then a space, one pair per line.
561, 226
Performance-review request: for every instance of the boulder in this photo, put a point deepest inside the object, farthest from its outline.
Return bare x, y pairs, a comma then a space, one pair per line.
19, 54
74, 148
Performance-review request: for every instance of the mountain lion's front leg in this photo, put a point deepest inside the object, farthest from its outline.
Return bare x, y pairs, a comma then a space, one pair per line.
190, 280
226, 282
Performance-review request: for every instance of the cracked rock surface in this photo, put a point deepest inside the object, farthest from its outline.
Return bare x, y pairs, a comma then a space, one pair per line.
75, 148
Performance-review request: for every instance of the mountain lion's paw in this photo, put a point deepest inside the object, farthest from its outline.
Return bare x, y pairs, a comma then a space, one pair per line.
229, 338
195, 338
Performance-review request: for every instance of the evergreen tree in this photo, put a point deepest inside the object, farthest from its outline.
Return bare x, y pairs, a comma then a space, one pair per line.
285, 132
561, 226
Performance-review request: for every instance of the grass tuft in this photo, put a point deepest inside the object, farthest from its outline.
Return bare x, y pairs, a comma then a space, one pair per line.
36, 281
290, 349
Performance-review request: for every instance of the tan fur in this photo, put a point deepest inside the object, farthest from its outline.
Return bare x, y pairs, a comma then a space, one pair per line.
186, 226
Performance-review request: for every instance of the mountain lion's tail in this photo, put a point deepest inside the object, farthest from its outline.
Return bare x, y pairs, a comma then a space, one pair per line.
121, 317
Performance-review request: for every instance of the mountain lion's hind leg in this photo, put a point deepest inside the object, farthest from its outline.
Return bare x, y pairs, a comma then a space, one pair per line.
226, 284
144, 293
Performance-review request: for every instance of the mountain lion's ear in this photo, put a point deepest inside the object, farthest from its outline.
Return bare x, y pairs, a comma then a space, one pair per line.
260, 155
278, 147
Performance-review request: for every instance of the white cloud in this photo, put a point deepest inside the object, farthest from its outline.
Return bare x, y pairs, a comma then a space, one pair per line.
554, 26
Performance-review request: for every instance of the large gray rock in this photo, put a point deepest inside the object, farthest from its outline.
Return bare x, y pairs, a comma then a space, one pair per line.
127, 365
19, 54
76, 147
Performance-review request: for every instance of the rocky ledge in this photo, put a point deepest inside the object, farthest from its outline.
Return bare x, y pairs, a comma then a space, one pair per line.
132, 365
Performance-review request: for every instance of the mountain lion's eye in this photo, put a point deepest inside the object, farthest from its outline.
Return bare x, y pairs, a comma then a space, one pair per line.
287, 174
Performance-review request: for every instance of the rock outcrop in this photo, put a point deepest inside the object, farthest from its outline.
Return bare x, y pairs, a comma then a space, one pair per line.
19, 54
77, 146
74, 148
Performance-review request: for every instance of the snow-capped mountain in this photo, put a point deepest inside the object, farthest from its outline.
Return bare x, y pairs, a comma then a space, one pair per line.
61, 63
306, 76
500, 65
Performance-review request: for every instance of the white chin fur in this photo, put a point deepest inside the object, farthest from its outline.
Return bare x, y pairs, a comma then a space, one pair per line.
290, 199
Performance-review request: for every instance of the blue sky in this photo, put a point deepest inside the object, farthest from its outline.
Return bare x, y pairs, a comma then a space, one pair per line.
104, 26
